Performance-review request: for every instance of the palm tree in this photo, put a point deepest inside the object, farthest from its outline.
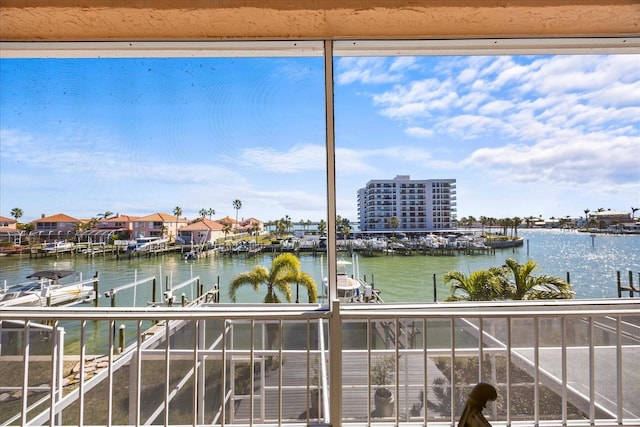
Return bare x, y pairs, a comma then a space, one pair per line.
516, 221
16, 213
91, 224
287, 222
226, 229
255, 228
177, 211
105, 215
481, 285
345, 228
523, 286
483, 221
491, 221
203, 212
285, 271
633, 212
211, 212
394, 222
237, 205
322, 227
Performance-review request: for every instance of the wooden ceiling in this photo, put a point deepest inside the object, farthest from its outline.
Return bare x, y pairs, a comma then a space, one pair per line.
96, 20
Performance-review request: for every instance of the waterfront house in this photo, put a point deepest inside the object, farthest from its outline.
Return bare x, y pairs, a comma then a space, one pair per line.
250, 225
572, 352
201, 232
158, 225
609, 219
118, 227
8, 223
229, 221
9, 232
55, 227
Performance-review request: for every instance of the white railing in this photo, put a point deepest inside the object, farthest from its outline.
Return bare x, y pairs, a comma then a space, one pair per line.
553, 363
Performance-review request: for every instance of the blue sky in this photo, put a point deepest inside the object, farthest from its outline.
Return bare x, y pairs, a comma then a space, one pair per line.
524, 135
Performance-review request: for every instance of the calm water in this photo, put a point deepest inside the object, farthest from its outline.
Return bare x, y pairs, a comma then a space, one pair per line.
592, 264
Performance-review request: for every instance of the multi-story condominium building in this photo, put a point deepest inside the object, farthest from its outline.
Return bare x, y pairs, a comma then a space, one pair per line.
419, 204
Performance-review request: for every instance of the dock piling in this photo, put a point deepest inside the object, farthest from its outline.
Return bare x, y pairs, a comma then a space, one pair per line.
629, 288
435, 292
121, 339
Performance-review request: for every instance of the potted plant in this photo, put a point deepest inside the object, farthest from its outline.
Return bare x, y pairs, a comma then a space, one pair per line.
382, 373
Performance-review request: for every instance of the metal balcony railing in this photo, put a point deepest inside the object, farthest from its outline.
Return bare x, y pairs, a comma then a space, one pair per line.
553, 363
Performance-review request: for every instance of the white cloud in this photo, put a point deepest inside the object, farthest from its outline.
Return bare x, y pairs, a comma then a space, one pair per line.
419, 132
402, 63
418, 99
562, 119
297, 158
495, 107
367, 71
569, 158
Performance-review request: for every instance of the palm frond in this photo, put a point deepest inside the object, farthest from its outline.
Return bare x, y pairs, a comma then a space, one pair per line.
255, 278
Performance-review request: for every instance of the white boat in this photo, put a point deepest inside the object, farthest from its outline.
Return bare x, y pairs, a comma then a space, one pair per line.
58, 246
241, 248
46, 290
348, 288
190, 255
351, 288
145, 244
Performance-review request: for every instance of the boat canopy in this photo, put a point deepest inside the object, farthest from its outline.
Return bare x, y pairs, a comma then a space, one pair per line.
50, 274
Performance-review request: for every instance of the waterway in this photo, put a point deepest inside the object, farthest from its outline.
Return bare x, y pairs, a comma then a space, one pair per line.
591, 262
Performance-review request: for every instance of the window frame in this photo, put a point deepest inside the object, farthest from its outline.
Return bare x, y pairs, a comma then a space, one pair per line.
328, 49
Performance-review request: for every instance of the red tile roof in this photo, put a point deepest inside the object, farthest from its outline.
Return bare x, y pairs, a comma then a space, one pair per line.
204, 224
57, 218
163, 217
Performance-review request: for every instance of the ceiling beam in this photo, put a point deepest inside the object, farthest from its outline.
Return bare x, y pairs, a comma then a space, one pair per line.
99, 20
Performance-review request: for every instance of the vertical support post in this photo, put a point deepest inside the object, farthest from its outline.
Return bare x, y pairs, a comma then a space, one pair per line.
121, 338
95, 290
619, 284
592, 373
83, 328
26, 349
167, 364
331, 172
112, 331
564, 355
54, 370
201, 373
153, 291
335, 363
133, 386
59, 368
435, 292
631, 283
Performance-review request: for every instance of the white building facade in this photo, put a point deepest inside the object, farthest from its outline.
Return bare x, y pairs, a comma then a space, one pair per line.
419, 205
